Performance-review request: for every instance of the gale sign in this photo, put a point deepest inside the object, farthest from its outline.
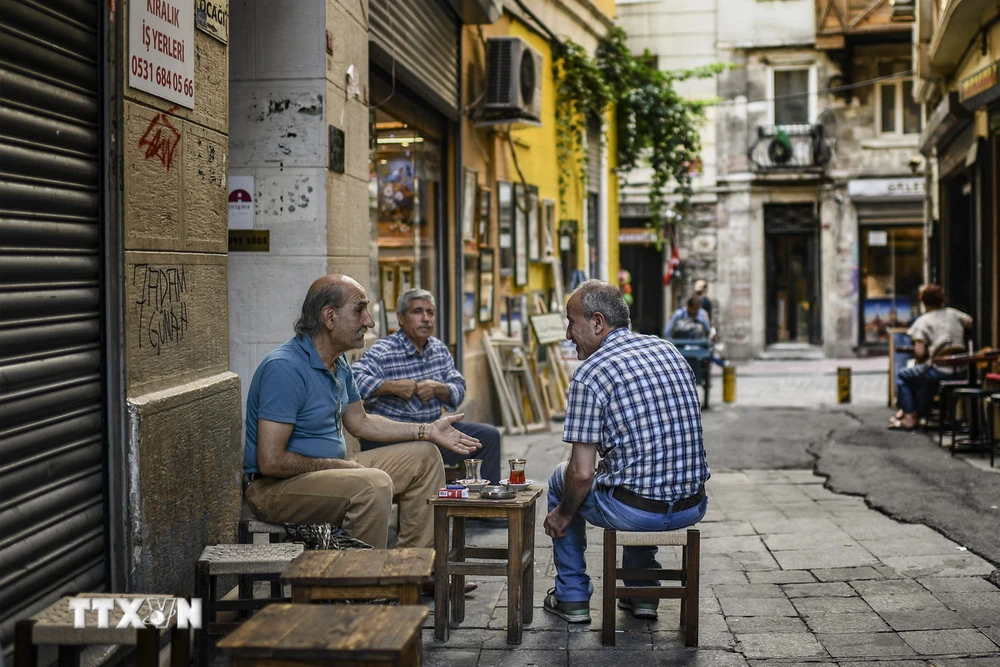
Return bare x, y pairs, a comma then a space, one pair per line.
161, 49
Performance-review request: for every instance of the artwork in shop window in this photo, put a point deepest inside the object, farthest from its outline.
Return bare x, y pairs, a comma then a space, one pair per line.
469, 207
520, 235
397, 193
548, 227
883, 314
483, 215
470, 293
486, 285
534, 220
505, 226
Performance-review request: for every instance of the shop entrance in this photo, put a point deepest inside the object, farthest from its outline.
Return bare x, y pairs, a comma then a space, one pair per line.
891, 274
792, 275
645, 263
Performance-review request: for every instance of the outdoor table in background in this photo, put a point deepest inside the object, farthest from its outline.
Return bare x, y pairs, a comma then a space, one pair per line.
969, 360
517, 560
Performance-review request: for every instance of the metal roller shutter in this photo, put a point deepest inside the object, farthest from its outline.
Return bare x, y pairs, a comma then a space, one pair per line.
420, 39
52, 470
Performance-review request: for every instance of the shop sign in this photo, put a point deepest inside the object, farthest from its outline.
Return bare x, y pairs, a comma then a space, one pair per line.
249, 240
241, 204
878, 237
636, 235
980, 88
212, 17
161, 49
886, 188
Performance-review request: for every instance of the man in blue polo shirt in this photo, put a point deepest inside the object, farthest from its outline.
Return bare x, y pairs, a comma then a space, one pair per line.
301, 399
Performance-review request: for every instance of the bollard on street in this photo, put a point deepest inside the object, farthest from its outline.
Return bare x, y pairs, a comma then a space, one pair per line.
844, 384
728, 384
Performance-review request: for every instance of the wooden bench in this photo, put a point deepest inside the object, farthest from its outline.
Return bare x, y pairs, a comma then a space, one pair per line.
54, 626
397, 574
261, 561
294, 634
688, 576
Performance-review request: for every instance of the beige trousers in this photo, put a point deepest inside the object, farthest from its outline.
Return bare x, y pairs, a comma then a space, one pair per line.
359, 500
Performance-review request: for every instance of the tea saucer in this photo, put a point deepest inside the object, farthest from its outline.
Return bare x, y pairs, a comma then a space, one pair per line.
527, 483
474, 484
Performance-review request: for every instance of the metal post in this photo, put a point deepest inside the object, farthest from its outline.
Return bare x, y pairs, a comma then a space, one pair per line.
728, 384
844, 384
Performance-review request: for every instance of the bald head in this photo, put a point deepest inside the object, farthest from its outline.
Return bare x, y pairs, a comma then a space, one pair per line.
330, 290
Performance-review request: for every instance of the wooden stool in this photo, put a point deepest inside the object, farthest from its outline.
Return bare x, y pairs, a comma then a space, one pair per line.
687, 592
249, 527
294, 634
397, 574
518, 559
54, 626
263, 561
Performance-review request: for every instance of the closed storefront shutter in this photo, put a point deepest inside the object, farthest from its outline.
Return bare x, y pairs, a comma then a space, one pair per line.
52, 470
418, 39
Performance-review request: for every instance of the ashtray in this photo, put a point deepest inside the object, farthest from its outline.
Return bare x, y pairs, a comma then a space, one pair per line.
497, 492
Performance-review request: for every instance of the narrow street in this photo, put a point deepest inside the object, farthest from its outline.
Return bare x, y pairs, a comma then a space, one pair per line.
885, 557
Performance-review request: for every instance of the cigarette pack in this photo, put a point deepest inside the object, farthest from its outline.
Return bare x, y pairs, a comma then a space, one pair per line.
453, 493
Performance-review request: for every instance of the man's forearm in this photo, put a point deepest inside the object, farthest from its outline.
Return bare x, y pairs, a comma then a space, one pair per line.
290, 465
382, 429
575, 491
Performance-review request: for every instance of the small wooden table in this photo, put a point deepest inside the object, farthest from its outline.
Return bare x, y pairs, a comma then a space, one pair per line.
294, 634
360, 574
518, 559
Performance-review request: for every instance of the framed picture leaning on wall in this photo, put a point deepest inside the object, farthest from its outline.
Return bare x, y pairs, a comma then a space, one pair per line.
520, 235
486, 285
469, 206
484, 200
505, 227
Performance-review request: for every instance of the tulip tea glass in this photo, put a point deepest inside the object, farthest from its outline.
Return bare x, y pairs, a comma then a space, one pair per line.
517, 470
472, 469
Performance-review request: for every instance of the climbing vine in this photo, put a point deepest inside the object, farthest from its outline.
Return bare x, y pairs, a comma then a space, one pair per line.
653, 122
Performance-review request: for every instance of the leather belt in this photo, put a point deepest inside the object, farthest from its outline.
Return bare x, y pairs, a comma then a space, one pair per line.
251, 477
623, 495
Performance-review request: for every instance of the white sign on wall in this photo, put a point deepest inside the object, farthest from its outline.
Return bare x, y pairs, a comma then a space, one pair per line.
161, 49
241, 206
902, 188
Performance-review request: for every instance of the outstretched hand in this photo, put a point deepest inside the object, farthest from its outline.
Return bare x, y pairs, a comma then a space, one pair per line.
444, 434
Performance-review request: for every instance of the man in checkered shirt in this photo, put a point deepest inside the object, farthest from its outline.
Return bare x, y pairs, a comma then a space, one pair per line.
633, 400
409, 376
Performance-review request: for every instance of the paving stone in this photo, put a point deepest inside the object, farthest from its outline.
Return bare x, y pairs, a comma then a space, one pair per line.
724, 577
904, 602
925, 620
747, 591
690, 656
957, 584
986, 600
809, 606
867, 622
830, 589
706, 622
726, 528
823, 558
800, 541
457, 638
769, 526
624, 640
531, 639
757, 607
446, 657
886, 663
613, 658
868, 645
780, 645
966, 662
781, 577
757, 624
888, 587
909, 546
509, 658
847, 573
729, 544
954, 565
884, 528
804, 477
938, 642
993, 633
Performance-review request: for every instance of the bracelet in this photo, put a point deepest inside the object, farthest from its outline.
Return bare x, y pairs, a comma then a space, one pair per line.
421, 431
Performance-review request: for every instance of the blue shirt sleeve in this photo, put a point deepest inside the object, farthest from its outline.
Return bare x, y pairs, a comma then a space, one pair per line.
367, 373
452, 378
282, 392
670, 325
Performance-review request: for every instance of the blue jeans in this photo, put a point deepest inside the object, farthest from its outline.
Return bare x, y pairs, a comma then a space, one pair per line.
600, 509
915, 387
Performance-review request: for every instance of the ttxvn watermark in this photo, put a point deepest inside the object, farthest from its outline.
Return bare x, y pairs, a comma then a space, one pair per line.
138, 612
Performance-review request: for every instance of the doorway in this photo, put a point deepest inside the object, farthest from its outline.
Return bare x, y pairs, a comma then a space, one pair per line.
791, 249
645, 263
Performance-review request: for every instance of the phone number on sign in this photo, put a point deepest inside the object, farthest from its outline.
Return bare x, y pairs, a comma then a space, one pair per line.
144, 69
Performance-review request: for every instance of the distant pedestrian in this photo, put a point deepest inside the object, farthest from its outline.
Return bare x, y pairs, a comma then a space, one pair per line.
690, 322
634, 401
701, 290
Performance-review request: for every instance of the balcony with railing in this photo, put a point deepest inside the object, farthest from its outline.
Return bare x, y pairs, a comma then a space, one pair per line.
790, 148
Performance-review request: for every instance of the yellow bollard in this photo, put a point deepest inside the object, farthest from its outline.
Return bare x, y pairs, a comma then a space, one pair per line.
728, 384
844, 384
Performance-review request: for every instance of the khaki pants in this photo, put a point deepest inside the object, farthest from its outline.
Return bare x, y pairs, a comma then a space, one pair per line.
359, 500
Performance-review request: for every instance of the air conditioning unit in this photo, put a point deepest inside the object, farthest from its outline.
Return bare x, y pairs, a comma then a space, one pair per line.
513, 79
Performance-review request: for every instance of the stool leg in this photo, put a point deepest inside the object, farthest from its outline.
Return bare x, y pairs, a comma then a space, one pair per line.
684, 568
441, 573
458, 581
69, 656
692, 588
180, 647
610, 583
528, 580
25, 651
147, 649
203, 638
515, 597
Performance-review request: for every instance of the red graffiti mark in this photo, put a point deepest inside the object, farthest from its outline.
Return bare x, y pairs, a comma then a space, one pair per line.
161, 138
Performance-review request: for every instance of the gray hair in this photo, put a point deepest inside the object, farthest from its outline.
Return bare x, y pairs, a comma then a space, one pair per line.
310, 322
597, 296
409, 296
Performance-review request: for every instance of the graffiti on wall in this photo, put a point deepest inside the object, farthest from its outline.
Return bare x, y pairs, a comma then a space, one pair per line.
161, 139
160, 306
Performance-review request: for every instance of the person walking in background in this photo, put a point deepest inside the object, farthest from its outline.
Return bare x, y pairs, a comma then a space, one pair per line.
701, 291
689, 322
633, 401
938, 328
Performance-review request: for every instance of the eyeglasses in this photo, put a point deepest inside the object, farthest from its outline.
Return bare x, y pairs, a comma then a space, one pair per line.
340, 405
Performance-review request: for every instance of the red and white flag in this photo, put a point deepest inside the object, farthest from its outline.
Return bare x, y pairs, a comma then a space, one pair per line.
675, 261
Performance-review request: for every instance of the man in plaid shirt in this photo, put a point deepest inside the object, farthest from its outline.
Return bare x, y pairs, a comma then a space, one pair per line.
633, 400
409, 376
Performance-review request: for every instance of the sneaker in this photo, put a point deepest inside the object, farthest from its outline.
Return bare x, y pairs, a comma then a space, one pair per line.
571, 612
644, 609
